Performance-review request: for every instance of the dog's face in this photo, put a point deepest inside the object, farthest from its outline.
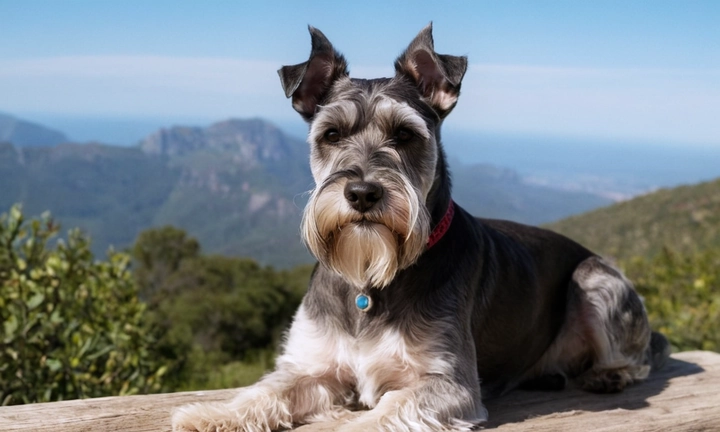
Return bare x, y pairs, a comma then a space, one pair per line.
374, 155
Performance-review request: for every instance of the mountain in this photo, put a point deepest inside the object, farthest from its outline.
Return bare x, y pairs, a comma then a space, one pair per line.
239, 189
501, 193
237, 185
110, 192
619, 169
233, 185
685, 218
26, 134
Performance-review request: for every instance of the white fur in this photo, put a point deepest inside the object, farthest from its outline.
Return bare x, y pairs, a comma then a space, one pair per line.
315, 377
367, 249
402, 114
373, 364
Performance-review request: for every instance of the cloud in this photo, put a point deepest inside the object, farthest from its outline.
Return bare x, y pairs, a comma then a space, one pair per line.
668, 105
204, 74
141, 85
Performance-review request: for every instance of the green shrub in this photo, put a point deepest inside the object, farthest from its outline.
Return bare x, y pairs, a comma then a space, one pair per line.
73, 327
220, 315
682, 296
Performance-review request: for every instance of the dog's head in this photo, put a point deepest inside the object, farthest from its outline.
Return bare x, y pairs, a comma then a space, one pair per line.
374, 155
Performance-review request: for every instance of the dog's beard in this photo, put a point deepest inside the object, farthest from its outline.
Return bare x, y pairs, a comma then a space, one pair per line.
366, 249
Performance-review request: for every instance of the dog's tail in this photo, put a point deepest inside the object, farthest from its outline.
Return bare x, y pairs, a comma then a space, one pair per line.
658, 351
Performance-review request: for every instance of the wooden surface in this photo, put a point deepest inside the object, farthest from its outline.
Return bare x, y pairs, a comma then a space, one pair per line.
684, 396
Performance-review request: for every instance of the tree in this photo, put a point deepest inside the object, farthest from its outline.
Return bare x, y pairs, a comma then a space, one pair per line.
158, 254
73, 327
217, 313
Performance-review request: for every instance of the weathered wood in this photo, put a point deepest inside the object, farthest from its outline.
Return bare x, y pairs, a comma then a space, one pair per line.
684, 396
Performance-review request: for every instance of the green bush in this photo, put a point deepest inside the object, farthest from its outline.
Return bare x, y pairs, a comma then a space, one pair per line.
682, 296
220, 315
73, 327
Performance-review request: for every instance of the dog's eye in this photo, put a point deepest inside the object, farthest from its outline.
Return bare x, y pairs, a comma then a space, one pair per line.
332, 135
403, 135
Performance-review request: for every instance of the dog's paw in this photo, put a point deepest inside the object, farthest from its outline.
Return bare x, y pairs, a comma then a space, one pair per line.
605, 380
228, 418
203, 418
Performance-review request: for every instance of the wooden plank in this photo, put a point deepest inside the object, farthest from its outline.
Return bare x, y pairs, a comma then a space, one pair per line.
684, 396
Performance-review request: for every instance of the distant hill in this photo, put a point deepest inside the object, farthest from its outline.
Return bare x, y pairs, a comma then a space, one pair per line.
686, 218
233, 185
26, 134
239, 190
237, 185
500, 193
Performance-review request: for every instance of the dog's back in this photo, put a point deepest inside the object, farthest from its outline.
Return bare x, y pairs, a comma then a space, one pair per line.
522, 292
549, 306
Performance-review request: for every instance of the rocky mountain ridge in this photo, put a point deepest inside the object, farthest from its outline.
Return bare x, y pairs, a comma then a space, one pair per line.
239, 186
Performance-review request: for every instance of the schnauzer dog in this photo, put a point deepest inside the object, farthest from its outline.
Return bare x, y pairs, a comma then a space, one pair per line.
414, 302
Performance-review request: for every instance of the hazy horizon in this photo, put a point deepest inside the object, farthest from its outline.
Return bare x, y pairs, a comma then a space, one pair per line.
616, 169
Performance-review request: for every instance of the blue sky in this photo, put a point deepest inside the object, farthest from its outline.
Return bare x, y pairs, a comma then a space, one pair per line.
645, 71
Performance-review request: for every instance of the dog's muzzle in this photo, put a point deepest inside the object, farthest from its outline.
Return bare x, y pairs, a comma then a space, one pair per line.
366, 231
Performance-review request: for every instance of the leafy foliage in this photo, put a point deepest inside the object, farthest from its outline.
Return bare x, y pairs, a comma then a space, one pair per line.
72, 327
218, 313
682, 296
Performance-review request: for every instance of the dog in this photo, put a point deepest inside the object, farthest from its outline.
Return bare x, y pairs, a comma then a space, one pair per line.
415, 305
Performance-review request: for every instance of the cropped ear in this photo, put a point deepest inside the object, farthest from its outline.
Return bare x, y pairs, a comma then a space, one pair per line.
437, 76
309, 82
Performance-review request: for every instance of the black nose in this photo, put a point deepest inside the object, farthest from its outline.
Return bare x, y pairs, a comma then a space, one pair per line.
362, 196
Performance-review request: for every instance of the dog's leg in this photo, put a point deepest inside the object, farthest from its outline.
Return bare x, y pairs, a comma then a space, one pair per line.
307, 386
436, 403
617, 327
276, 402
604, 342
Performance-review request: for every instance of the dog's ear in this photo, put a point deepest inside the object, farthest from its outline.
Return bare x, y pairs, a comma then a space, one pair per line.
437, 76
307, 83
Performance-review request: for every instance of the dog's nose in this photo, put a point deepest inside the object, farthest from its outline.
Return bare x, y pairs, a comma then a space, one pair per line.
362, 196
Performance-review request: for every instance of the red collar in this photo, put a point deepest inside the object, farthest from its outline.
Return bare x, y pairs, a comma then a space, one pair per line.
441, 228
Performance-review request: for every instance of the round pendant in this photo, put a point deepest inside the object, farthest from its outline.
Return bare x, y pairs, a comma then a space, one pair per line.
363, 302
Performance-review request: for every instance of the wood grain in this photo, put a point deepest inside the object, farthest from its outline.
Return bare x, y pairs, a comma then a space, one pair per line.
684, 396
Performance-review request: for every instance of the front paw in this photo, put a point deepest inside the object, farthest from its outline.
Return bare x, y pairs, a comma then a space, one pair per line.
203, 417
232, 417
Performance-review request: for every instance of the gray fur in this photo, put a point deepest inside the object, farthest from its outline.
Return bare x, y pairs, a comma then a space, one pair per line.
493, 302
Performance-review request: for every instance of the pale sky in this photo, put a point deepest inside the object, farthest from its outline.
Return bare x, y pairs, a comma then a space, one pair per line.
646, 71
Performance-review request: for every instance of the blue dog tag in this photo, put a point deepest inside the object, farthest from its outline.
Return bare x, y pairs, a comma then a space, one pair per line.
363, 302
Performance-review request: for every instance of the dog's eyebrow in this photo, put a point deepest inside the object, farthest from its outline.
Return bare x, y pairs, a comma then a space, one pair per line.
343, 115
393, 114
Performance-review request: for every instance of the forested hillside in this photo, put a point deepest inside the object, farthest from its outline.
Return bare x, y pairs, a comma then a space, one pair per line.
237, 185
685, 219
